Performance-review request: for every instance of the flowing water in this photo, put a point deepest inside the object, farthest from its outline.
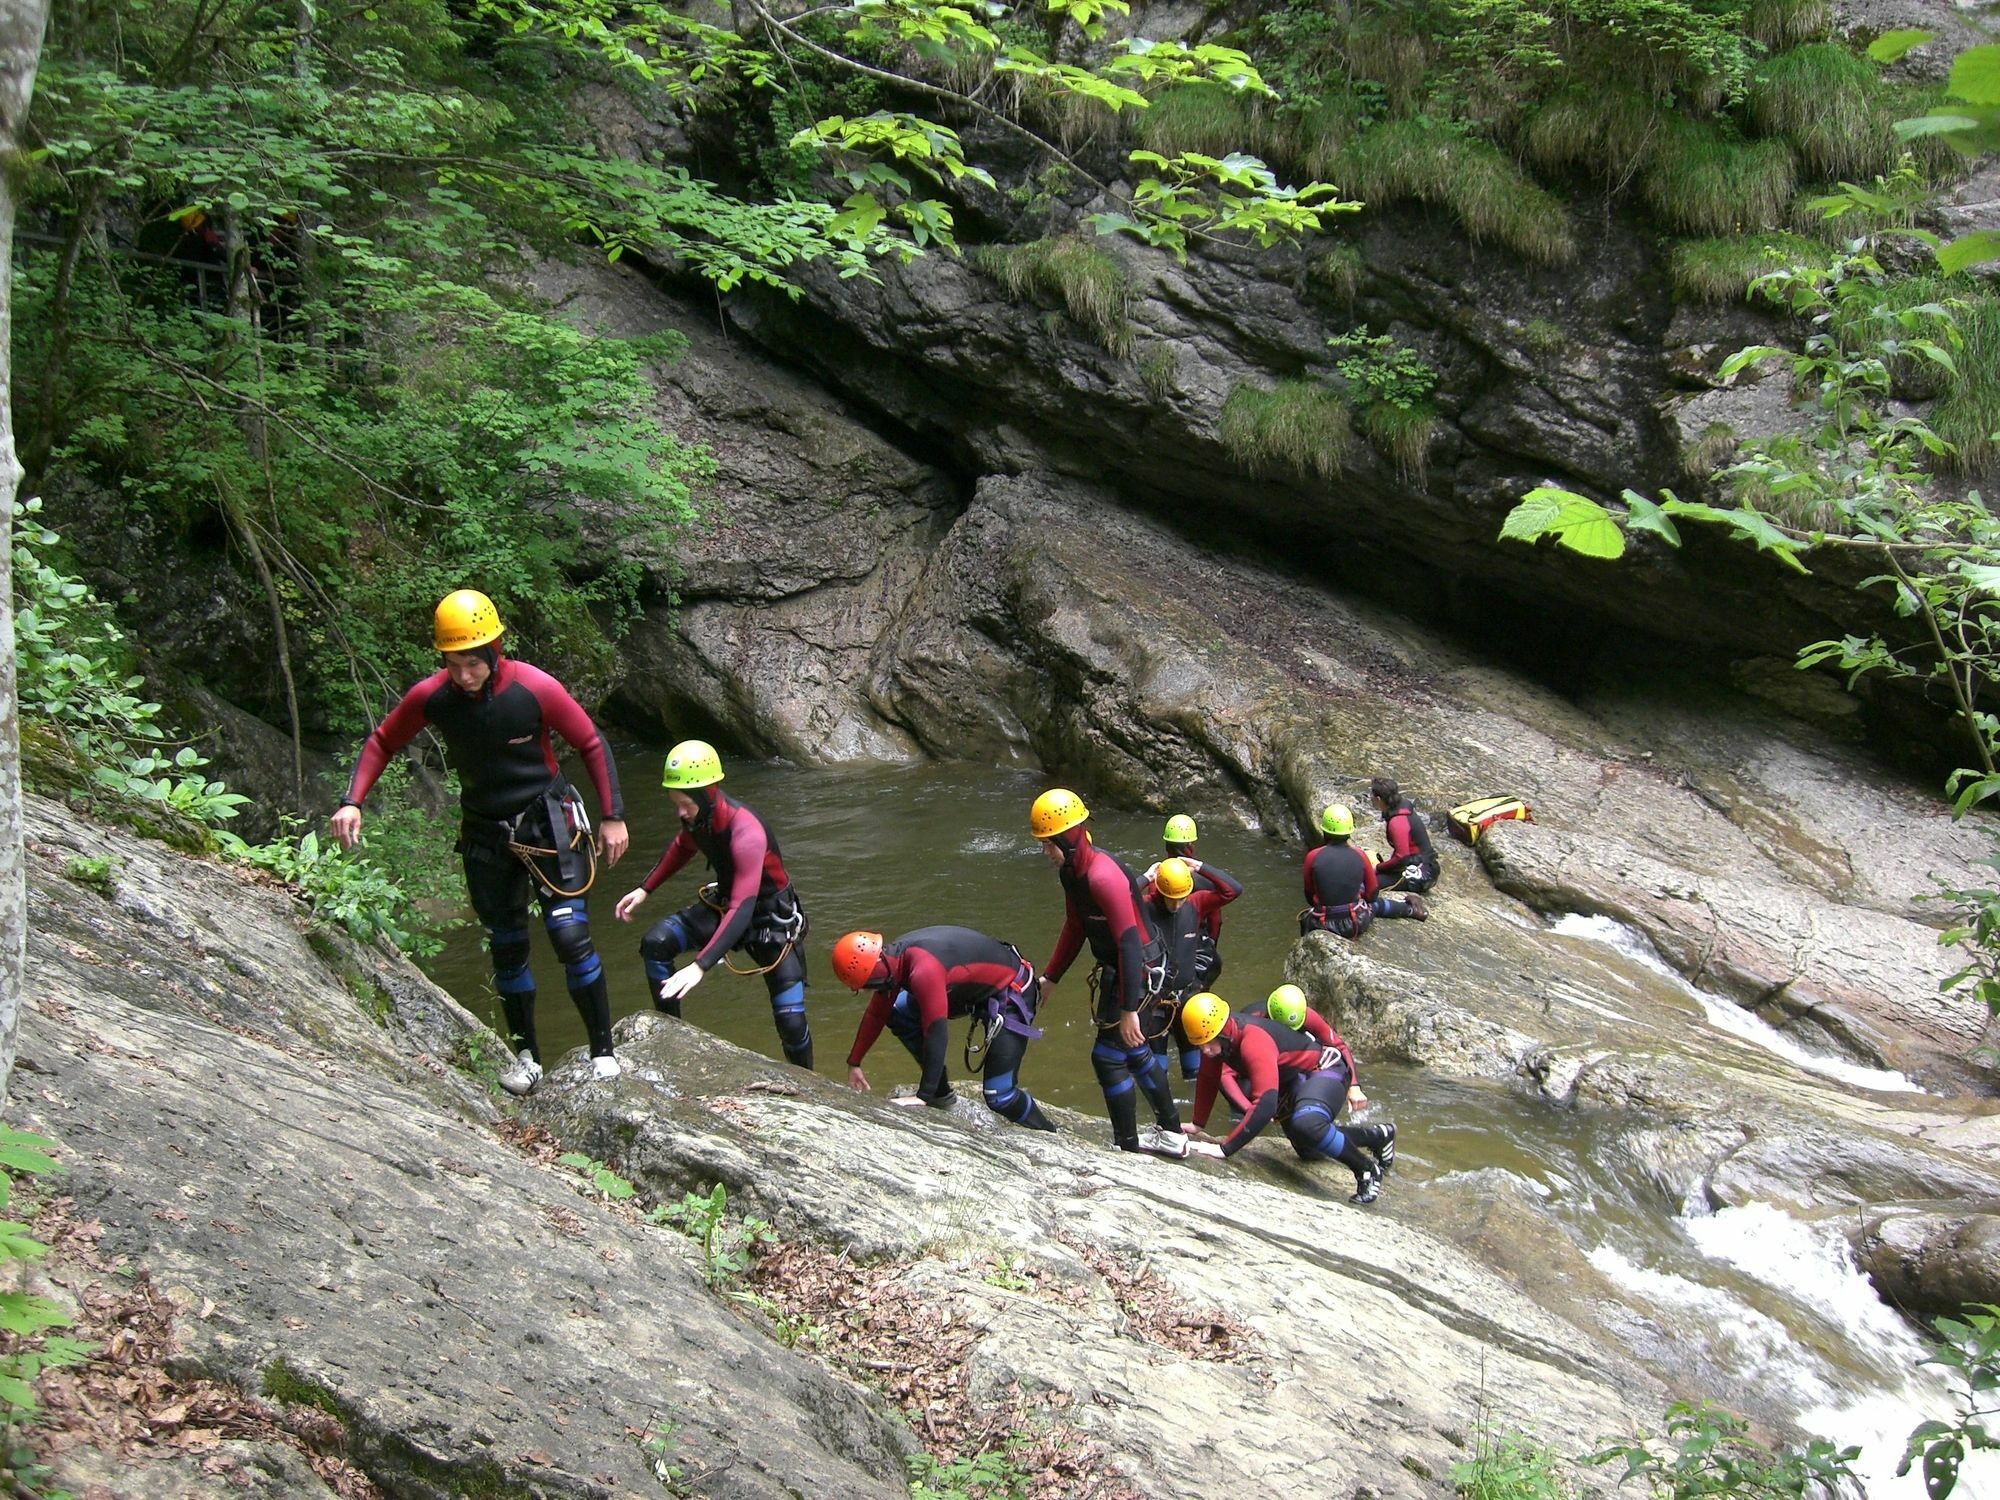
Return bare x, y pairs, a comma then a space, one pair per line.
1766, 1312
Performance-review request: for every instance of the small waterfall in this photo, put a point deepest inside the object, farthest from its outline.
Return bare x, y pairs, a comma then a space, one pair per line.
1770, 1299
1725, 1015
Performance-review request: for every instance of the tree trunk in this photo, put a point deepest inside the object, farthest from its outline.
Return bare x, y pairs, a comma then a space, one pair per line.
22, 23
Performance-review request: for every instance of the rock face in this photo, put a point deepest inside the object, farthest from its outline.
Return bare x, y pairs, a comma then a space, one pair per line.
261, 1114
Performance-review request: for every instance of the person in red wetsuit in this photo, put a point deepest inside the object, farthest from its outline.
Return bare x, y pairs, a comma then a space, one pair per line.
1175, 907
1214, 888
754, 907
1290, 1076
496, 716
1341, 891
1101, 905
1412, 864
926, 979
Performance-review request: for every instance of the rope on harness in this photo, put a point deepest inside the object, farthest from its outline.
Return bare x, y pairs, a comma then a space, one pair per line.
795, 927
528, 854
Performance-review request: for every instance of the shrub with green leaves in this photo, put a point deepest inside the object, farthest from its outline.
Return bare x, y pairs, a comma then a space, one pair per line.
1510, 1466
1709, 1452
27, 1319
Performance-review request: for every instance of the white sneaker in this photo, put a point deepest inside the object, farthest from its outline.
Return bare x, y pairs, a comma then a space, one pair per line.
523, 1075
604, 1067
1163, 1142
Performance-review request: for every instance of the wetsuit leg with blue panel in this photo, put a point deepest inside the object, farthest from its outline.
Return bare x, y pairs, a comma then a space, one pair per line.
686, 931
501, 890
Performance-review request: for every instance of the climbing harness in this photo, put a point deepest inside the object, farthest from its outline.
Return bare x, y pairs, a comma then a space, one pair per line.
565, 811
785, 931
995, 1014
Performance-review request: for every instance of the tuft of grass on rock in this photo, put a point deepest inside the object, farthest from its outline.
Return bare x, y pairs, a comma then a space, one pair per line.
1403, 434
1210, 118
1967, 413
1702, 180
1339, 271
1786, 23
1721, 269
1480, 184
1300, 425
1607, 129
1826, 101
1087, 280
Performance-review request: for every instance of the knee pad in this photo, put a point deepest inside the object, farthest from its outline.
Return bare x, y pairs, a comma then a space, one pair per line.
999, 1092
667, 941
511, 975
569, 934
791, 1000
1313, 1133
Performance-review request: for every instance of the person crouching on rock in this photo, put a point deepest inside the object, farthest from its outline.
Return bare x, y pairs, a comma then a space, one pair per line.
523, 833
1341, 891
750, 906
1214, 888
1290, 1075
1101, 903
1412, 864
923, 981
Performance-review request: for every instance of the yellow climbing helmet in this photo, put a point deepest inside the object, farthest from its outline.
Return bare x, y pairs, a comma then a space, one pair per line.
1203, 1018
1338, 820
1174, 879
1056, 811
1179, 830
691, 764
465, 618
1287, 1006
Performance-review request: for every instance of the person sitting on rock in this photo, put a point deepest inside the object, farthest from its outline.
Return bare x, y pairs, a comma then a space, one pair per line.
1101, 905
523, 835
924, 980
1412, 864
1341, 890
1214, 888
750, 906
1290, 1077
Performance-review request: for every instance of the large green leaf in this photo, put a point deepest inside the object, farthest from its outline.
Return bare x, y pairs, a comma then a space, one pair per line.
1891, 45
1969, 250
1975, 75
1576, 521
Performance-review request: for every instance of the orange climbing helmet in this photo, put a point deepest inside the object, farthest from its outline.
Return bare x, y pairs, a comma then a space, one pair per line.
855, 958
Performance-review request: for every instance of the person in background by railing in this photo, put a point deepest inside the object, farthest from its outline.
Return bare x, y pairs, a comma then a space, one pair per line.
524, 835
923, 981
751, 905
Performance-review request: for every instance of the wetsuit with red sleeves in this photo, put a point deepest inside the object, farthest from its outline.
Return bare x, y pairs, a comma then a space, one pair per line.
930, 977
1214, 888
1412, 864
1232, 1083
1340, 889
1270, 1056
758, 911
1101, 905
499, 740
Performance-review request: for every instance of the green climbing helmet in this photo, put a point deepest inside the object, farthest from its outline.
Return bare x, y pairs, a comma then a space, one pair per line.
1179, 830
691, 764
1338, 820
1287, 1006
